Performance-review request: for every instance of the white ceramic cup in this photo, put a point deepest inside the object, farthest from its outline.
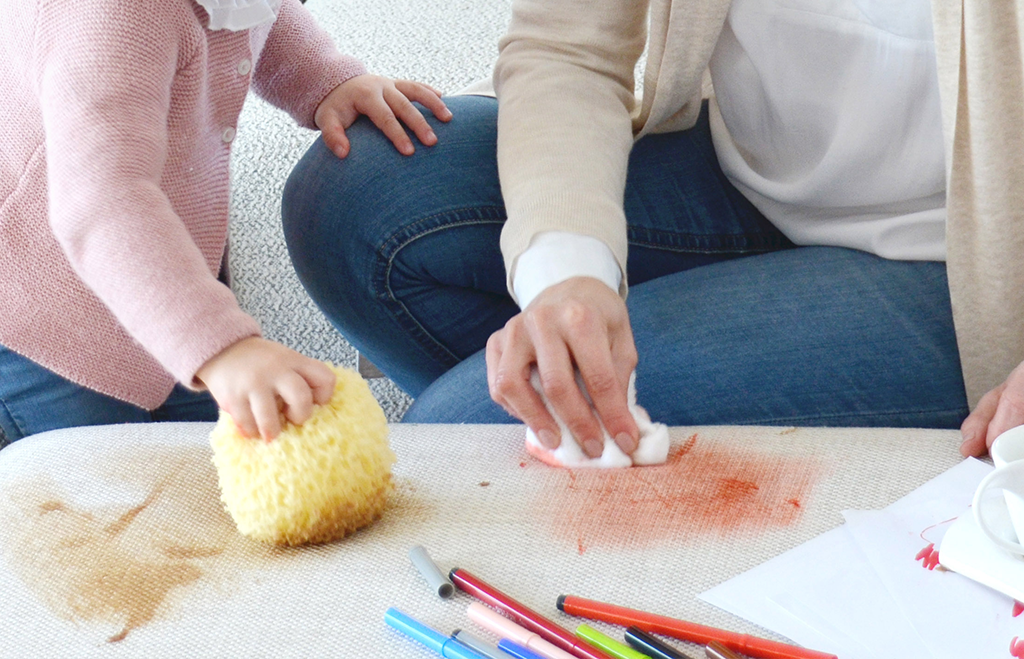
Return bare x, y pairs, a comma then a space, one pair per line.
1008, 456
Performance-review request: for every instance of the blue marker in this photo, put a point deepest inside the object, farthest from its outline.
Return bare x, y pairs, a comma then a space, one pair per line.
519, 651
443, 645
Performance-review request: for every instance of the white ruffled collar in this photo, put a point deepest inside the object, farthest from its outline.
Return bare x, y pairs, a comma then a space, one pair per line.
236, 15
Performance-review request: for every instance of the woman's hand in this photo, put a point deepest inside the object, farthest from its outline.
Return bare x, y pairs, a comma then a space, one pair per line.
260, 383
580, 322
997, 411
388, 104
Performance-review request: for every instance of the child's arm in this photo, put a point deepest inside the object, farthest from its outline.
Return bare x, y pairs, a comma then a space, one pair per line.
104, 72
302, 72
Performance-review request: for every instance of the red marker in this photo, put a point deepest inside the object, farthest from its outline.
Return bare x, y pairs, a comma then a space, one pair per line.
526, 617
752, 646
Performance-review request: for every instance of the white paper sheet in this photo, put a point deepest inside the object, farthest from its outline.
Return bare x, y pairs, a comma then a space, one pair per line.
857, 591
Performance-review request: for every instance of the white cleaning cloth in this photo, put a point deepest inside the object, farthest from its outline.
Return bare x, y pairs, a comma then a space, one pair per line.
652, 450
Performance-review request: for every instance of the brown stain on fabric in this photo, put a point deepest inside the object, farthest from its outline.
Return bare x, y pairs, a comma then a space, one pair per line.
120, 565
702, 490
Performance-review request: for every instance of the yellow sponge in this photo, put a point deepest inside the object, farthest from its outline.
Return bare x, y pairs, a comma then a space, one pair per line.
314, 483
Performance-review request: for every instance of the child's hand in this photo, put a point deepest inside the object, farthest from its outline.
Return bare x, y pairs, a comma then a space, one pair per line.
257, 381
388, 104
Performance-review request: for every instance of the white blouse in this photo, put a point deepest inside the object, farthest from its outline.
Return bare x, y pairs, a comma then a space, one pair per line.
826, 116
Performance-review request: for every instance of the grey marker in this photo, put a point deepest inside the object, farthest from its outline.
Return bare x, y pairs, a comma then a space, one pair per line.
479, 645
435, 578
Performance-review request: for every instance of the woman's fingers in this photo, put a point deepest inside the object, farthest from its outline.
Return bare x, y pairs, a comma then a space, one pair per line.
579, 324
608, 391
558, 381
974, 429
1010, 410
510, 359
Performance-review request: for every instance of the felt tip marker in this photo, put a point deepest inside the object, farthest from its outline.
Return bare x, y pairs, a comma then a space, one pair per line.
525, 616
651, 646
516, 650
608, 644
501, 626
443, 645
752, 646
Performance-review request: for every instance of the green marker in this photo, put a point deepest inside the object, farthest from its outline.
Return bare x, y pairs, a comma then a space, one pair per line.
608, 644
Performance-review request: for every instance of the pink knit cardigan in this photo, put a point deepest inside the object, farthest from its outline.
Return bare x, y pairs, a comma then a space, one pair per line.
117, 122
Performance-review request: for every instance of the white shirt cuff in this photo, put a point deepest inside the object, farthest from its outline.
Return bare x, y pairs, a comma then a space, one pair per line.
554, 256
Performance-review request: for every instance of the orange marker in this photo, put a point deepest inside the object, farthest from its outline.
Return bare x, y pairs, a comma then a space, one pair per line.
753, 646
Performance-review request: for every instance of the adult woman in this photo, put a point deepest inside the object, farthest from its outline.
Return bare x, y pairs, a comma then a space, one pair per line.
854, 327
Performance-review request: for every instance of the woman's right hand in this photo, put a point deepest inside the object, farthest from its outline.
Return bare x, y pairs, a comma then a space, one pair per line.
579, 323
259, 382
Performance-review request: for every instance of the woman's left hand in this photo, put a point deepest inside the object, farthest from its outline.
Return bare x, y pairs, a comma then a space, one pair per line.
388, 104
997, 411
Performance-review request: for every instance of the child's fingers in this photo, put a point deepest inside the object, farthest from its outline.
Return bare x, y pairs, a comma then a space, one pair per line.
242, 416
426, 96
333, 133
383, 117
410, 116
297, 396
266, 413
320, 379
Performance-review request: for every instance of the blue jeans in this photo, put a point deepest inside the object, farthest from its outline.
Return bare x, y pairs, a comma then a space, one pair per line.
733, 324
34, 399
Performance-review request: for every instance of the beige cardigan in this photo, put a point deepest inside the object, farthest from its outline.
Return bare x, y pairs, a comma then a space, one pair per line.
568, 118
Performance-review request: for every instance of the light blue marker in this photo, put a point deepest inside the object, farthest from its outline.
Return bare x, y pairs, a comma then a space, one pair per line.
443, 645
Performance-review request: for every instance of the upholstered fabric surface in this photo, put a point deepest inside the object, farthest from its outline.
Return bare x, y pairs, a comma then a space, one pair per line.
113, 542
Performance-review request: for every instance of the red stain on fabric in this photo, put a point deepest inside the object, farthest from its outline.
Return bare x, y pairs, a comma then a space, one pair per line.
701, 490
1017, 648
1018, 608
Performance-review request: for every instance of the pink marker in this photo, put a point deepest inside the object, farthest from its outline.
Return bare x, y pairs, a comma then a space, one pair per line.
505, 628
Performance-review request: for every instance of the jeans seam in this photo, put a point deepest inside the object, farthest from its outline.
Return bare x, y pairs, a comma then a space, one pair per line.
689, 243
4, 439
405, 236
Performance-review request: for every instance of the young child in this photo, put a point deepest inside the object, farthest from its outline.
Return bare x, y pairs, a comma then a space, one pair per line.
118, 120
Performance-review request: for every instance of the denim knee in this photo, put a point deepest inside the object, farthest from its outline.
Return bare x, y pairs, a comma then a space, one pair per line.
340, 214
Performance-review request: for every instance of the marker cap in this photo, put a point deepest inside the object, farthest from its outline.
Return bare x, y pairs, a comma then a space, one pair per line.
479, 645
435, 578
